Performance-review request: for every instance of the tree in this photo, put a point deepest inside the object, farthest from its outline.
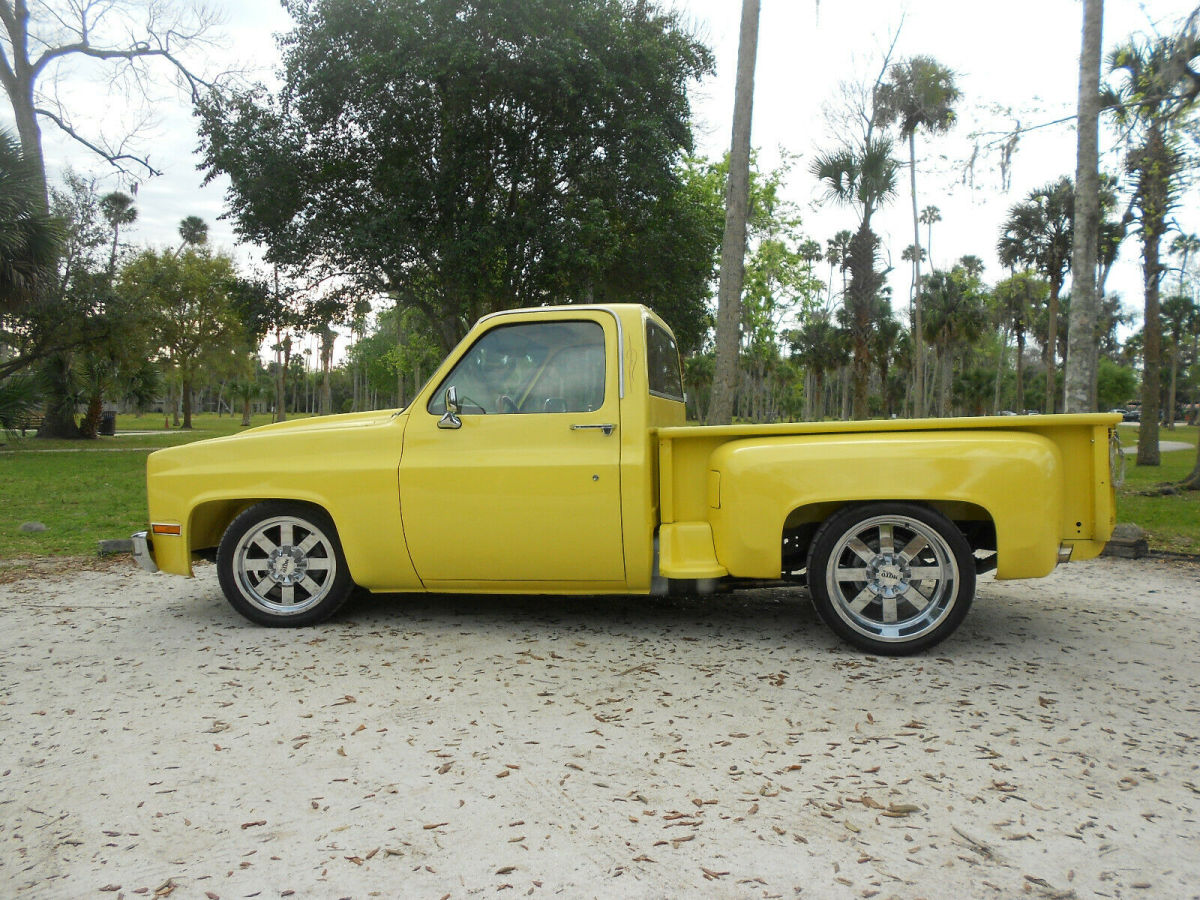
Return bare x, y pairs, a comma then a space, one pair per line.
190, 305
955, 314
1082, 348
837, 254
464, 158
1019, 295
30, 239
930, 216
733, 244
1178, 314
919, 93
193, 232
1038, 232
820, 346
863, 177
1153, 99
124, 39
118, 210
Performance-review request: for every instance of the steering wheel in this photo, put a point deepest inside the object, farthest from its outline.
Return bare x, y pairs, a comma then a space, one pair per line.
506, 405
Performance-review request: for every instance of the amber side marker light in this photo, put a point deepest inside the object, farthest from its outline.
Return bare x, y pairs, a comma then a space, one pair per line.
166, 529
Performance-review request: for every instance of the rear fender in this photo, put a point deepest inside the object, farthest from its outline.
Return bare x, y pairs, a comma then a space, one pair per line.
1015, 478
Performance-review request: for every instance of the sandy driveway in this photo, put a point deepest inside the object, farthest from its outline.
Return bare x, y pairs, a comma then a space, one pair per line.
155, 743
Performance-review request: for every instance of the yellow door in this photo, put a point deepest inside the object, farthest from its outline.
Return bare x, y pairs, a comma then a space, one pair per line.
526, 489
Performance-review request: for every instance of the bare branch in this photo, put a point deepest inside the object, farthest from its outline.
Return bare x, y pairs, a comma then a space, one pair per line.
115, 159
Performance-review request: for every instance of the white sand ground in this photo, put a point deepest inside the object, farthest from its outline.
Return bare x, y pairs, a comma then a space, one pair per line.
154, 743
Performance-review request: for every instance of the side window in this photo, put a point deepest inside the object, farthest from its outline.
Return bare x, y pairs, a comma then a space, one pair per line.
666, 380
533, 367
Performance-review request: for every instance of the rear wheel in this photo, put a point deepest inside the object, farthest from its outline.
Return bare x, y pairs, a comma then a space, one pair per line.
281, 564
891, 578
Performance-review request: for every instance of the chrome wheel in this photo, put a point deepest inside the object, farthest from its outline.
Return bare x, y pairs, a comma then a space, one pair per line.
892, 578
281, 564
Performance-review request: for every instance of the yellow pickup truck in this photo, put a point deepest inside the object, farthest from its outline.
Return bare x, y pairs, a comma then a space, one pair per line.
549, 454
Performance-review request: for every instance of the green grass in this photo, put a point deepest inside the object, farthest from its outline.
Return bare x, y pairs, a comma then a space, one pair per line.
99, 491
87, 491
1171, 522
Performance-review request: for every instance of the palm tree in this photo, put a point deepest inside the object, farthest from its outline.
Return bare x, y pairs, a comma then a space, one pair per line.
885, 346
19, 397
193, 232
919, 94
117, 209
837, 254
247, 389
930, 216
955, 314
1154, 96
1177, 313
864, 178
733, 244
1019, 296
820, 346
1039, 233
1184, 246
30, 239
1082, 352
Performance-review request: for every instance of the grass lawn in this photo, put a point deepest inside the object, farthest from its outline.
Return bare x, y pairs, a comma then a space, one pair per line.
1171, 522
93, 490
87, 491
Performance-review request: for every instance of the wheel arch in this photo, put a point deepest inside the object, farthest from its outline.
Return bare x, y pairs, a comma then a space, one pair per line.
208, 520
800, 525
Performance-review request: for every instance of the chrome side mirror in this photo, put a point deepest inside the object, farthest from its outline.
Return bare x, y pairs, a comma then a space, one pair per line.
450, 417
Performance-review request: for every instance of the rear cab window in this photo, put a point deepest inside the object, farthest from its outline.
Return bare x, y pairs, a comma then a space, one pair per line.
662, 363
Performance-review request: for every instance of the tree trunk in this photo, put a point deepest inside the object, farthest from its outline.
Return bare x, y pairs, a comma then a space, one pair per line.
864, 282
1170, 413
21, 95
1003, 354
1020, 370
1051, 349
918, 336
283, 354
1154, 193
1192, 482
186, 398
328, 335
246, 411
90, 426
1082, 347
737, 204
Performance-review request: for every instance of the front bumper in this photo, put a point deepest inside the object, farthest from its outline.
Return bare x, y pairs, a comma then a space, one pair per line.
143, 551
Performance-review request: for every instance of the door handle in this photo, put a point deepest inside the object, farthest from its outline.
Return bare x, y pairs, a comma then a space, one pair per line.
606, 428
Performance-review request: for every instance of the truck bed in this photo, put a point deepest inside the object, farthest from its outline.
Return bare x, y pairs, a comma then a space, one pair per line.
1042, 482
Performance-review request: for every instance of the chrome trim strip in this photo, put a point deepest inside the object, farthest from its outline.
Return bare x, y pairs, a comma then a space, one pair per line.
143, 552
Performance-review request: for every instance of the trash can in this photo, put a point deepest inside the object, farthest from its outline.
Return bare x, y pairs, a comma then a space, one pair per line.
108, 423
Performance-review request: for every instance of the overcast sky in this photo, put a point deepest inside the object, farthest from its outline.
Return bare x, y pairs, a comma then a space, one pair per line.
1016, 61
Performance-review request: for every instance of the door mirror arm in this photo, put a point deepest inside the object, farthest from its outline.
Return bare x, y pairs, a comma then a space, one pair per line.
450, 417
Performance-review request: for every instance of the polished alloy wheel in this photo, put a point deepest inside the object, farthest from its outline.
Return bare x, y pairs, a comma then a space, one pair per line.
892, 578
284, 565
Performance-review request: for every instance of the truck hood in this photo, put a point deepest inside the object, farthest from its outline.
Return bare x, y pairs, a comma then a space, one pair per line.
297, 439
323, 423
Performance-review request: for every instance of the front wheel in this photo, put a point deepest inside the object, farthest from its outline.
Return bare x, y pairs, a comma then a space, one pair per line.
891, 578
281, 564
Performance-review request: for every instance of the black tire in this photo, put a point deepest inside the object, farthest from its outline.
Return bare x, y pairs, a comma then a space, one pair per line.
862, 576
281, 564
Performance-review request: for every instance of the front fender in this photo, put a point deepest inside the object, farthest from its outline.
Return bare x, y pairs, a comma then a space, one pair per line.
1016, 477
